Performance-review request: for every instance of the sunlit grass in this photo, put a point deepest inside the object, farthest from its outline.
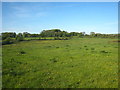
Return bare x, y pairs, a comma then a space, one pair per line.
74, 63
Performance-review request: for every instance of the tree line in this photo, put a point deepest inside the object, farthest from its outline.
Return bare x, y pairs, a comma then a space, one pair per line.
11, 37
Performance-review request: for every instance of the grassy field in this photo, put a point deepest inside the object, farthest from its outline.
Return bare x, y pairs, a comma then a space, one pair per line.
0, 66
74, 63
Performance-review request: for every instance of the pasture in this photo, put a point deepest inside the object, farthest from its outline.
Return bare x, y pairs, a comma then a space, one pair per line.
74, 63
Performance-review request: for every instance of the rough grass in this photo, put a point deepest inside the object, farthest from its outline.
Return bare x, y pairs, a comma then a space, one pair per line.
75, 63
0, 66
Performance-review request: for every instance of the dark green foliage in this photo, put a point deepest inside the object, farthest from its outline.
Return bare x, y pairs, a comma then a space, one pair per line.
34, 35
65, 38
104, 51
8, 40
85, 46
81, 34
19, 37
26, 34
57, 47
56, 33
49, 46
22, 52
74, 33
8, 34
54, 60
92, 34
92, 48
67, 45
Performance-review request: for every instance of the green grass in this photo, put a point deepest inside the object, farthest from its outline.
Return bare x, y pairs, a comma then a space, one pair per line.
0, 67
37, 38
75, 63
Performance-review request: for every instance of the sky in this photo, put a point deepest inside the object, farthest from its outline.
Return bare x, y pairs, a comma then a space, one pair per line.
60, 0
33, 17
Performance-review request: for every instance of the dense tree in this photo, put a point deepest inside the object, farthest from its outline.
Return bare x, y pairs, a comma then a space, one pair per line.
52, 33
26, 34
19, 37
8, 40
92, 33
8, 37
34, 35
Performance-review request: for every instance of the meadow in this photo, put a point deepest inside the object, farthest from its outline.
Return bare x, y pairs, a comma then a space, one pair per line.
74, 63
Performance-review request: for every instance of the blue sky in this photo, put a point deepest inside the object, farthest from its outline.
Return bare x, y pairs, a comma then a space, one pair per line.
33, 17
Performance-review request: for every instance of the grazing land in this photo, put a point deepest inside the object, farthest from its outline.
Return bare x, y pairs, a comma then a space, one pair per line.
74, 63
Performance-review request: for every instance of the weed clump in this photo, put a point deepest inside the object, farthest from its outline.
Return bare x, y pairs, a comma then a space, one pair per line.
67, 45
57, 47
54, 60
71, 57
22, 52
104, 51
85, 46
92, 48
12, 59
48, 46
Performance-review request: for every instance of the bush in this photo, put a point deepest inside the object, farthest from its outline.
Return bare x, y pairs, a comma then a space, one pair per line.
54, 60
104, 51
64, 38
22, 52
57, 38
19, 38
7, 41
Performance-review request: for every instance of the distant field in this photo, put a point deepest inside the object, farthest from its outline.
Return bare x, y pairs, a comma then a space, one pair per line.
30, 38
74, 63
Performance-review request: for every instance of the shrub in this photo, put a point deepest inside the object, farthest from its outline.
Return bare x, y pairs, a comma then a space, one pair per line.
22, 52
104, 51
67, 45
66, 38
19, 38
7, 41
85, 46
54, 60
